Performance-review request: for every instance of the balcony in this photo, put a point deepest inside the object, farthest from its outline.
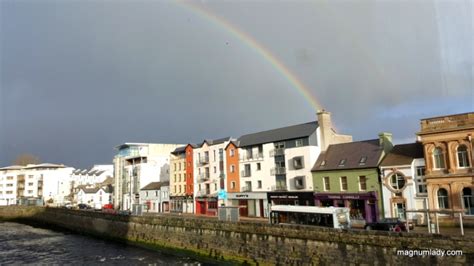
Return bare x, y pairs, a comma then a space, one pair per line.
278, 171
244, 173
246, 189
204, 192
280, 187
277, 152
203, 177
251, 157
447, 122
202, 160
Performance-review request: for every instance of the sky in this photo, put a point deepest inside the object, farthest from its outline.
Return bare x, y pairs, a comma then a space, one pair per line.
78, 78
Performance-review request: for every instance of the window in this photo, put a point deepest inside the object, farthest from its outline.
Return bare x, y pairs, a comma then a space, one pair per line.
9, 177
179, 178
323, 163
420, 171
232, 168
468, 201
175, 166
146, 193
362, 183
259, 184
397, 181
363, 160
9, 185
299, 143
232, 152
179, 189
214, 156
184, 166
156, 193
299, 182
443, 202
174, 177
280, 145
420, 180
215, 169
342, 162
215, 186
463, 160
259, 167
179, 166
232, 185
30, 184
438, 158
30, 191
298, 162
343, 183
30, 176
327, 185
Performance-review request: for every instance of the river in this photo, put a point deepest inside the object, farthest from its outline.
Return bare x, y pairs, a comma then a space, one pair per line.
24, 244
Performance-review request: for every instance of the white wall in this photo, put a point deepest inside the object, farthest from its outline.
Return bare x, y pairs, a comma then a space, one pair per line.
310, 155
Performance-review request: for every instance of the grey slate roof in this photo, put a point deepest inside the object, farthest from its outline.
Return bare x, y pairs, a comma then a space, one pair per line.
211, 142
352, 152
155, 185
279, 134
181, 149
403, 154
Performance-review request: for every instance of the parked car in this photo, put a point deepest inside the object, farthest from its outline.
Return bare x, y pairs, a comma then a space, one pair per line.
83, 206
107, 206
389, 224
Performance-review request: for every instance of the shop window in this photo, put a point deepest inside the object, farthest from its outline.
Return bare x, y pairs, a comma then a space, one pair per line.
468, 201
463, 160
438, 158
443, 202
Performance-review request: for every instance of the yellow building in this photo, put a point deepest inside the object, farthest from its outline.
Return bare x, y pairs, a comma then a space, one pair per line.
178, 180
448, 148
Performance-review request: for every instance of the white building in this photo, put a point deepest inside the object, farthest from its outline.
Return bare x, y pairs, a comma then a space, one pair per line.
156, 197
135, 166
209, 175
96, 175
49, 183
403, 182
95, 197
275, 165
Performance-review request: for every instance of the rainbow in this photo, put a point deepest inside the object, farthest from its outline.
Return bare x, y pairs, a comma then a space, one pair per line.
246, 39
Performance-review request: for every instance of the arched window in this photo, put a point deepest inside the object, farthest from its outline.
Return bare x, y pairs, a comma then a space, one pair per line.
463, 159
397, 181
468, 201
443, 202
438, 158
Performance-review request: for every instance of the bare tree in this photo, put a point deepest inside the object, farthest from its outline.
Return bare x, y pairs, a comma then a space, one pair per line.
26, 158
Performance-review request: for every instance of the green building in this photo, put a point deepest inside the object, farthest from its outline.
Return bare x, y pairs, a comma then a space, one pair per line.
347, 175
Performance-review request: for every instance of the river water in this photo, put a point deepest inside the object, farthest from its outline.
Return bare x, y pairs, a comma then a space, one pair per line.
24, 244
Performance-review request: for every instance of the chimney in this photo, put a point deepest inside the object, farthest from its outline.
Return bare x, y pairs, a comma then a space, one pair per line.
385, 141
325, 126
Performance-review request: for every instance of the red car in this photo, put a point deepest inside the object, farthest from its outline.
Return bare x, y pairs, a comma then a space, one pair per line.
108, 206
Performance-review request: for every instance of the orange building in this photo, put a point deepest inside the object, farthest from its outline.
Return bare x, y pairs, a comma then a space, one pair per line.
232, 167
189, 207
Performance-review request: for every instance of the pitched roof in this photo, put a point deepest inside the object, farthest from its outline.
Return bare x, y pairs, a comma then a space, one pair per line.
353, 154
403, 154
211, 142
90, 190
178, 150
279, 134
155, 185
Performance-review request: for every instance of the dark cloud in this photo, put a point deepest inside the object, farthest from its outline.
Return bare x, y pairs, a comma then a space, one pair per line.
80, 77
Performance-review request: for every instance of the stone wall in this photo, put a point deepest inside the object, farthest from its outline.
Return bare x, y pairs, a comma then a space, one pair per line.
252, 242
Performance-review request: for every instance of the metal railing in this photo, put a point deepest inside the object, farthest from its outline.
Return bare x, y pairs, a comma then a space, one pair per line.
281, 187
278, 171
246, 189
244, 173
277, 152
203, 160
204, 176
251, 157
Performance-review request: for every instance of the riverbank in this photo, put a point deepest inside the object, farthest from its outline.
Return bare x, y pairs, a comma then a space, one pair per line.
253, 243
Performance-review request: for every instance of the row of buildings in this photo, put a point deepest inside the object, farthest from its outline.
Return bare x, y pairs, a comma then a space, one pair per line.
305, 164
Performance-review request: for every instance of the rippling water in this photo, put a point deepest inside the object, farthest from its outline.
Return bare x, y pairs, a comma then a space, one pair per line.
24, 244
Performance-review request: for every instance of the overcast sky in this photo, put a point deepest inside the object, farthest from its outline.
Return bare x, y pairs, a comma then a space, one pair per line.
78, 78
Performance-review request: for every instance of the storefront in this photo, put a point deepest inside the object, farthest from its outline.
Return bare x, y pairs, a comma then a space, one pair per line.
251, 204
291, 198
361, 205
206, 206
181, 204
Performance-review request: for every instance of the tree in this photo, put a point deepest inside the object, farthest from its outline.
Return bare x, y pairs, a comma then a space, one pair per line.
26, 158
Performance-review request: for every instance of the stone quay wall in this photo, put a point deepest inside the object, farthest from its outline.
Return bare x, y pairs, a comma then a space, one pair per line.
253, 242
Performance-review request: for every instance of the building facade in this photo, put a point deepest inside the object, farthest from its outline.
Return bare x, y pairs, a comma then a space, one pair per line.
156, 197
177, 182
96, 175
209, 170
448, 149
135, 166
402, 174
46, 183
347, 175
95, 197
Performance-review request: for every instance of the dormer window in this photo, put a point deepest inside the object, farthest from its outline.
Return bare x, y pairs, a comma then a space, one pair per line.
342, 162
323, 163
363, 160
